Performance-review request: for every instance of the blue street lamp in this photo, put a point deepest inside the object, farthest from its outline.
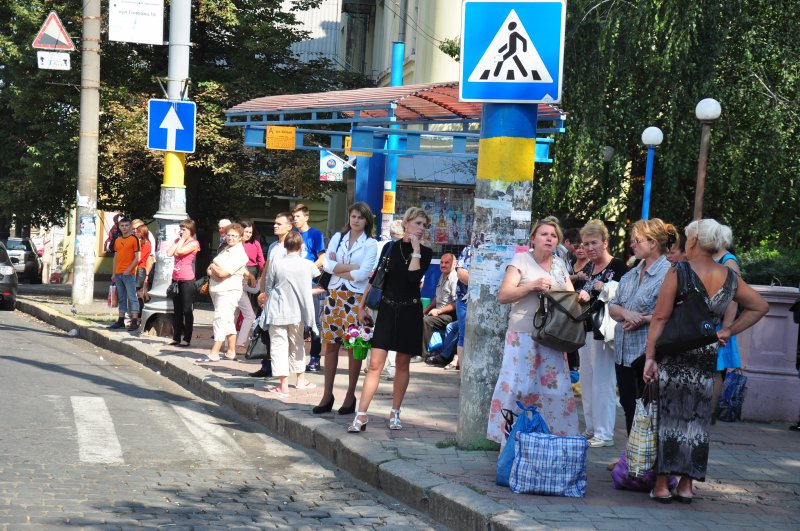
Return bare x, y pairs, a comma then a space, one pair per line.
651, 137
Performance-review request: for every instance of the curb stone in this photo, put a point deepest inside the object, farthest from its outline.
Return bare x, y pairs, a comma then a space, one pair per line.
453, 505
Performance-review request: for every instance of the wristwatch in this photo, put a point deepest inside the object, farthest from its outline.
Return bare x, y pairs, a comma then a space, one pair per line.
416, 255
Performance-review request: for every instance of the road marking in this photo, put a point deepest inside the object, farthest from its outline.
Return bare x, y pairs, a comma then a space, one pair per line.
97, 439
209, 434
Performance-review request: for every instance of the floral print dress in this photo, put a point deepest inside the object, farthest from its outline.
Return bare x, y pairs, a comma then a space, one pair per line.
534, 375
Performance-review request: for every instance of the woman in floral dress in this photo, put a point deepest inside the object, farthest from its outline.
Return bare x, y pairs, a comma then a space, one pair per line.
531, 373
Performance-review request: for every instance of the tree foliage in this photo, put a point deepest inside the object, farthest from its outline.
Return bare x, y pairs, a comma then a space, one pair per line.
241, 50
632, 64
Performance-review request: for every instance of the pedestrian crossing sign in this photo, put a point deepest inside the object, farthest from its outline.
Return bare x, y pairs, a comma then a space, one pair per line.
512, 52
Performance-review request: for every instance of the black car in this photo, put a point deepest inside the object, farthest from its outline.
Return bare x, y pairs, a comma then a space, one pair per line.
24, 258
8, 280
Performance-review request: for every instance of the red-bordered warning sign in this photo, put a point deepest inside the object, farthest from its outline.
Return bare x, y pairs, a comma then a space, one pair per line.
53, 36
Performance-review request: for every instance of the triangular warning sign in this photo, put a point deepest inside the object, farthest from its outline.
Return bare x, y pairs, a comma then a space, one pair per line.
52, 35
511, 57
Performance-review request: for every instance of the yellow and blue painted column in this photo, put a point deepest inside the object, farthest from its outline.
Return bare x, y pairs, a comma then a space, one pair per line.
503, 198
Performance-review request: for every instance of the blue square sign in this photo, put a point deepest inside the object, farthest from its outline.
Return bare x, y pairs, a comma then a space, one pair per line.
512, 52
171, 125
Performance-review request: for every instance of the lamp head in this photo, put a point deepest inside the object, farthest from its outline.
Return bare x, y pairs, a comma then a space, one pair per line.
708, 110
608, 154
652, 136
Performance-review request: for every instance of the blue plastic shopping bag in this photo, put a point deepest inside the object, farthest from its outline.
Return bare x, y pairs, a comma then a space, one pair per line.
549, 464
528, 421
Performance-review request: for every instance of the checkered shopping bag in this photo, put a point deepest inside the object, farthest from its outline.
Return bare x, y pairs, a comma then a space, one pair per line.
640, 451
549, 464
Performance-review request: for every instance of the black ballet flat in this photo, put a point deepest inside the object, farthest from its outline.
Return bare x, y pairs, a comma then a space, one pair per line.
682, 499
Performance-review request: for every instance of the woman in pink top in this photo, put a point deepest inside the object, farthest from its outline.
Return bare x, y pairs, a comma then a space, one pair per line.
184, 249
255, 263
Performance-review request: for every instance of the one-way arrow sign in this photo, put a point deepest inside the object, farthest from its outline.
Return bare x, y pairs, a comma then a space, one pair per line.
171, 125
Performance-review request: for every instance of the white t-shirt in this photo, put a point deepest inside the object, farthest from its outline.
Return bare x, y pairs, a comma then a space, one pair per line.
522, 311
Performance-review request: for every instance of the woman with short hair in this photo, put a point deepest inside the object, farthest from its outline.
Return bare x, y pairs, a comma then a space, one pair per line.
686, 379
532, 373
598, 380
226, 278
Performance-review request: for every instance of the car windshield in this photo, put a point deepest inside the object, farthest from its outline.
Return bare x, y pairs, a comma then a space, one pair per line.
3, 255
17, 245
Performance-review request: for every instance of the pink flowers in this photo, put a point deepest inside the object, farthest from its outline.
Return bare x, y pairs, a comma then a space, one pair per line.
357, 336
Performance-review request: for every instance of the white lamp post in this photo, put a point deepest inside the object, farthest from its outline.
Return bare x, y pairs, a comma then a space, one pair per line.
651, 137
707, 111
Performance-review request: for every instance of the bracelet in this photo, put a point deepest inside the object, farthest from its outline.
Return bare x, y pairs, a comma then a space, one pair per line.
416, 255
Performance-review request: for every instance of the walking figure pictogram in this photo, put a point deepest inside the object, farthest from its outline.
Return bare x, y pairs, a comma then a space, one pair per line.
511, 46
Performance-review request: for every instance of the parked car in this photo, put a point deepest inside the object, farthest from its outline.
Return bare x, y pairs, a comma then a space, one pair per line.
25, 258
8, 281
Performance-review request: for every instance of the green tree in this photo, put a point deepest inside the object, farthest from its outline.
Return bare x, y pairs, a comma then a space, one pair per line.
241, 50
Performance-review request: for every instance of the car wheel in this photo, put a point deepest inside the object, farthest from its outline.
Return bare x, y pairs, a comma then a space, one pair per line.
37, 279
7, 306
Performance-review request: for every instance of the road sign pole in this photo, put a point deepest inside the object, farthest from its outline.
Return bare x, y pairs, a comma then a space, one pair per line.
503, 198
172, 205
86, 212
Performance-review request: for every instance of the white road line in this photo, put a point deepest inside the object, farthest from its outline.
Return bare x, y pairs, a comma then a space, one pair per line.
209, 434
97, 439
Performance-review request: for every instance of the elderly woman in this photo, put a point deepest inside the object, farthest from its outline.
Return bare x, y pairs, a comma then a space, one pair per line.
632, 307
532, 373
226, 276
350, 259
399, 323
598, 381
686, 379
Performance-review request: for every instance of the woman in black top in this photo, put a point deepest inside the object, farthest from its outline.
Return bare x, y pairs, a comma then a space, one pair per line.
598, 378
398, 326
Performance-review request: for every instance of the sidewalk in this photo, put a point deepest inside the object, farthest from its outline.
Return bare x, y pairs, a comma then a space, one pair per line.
754, 469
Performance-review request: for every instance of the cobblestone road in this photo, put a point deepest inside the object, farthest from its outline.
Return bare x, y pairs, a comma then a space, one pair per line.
92, 440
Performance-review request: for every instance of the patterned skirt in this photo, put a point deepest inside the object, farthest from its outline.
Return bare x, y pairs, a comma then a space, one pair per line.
685, 389
534, 375
341, 311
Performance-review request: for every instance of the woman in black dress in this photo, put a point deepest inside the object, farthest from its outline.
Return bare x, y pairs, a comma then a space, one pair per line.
399, 323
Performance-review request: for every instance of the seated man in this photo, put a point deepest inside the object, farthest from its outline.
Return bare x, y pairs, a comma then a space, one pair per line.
454, 336
442, 308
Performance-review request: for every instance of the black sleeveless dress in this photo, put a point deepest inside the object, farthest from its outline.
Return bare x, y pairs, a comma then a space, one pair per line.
398, 326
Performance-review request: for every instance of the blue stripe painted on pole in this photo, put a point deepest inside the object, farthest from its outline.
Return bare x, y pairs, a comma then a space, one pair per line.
510, 120
648, 182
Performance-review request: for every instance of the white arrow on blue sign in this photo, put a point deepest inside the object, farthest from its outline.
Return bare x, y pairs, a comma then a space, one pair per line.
171, 125
512, 52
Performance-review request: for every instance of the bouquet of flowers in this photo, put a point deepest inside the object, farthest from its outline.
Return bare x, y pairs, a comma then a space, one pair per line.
357, 338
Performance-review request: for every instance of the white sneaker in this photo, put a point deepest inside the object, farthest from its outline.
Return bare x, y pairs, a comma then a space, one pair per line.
386, 375
594, 442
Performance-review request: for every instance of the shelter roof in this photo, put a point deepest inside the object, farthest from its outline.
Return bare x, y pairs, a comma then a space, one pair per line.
422, 103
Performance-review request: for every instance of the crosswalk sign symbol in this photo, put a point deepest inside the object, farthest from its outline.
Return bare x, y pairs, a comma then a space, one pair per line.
511, 57
512, 52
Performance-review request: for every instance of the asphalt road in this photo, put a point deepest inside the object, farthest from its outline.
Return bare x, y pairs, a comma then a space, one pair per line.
93, 440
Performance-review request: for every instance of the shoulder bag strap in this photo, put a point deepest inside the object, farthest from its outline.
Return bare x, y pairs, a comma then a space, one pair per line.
544, 295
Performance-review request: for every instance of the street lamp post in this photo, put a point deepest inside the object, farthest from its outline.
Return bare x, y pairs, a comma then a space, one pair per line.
651, 137
707, 111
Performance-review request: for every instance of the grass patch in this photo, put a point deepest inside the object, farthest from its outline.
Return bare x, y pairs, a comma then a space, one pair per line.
473, 488
446, 443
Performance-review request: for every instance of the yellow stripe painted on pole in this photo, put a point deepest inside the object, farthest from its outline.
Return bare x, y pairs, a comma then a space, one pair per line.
506, 158
174, 164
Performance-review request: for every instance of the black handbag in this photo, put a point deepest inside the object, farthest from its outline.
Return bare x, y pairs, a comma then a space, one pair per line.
598, 313
559, 321
375, 293
325, 278
172, 289
691, 324
258, 348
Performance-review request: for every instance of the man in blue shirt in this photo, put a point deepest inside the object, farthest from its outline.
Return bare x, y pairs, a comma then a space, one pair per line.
314, 243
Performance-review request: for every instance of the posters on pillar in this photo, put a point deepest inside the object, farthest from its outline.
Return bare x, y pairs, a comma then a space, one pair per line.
110, 230
488, 266
450, 208
331, 167
87, 226
140, 21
